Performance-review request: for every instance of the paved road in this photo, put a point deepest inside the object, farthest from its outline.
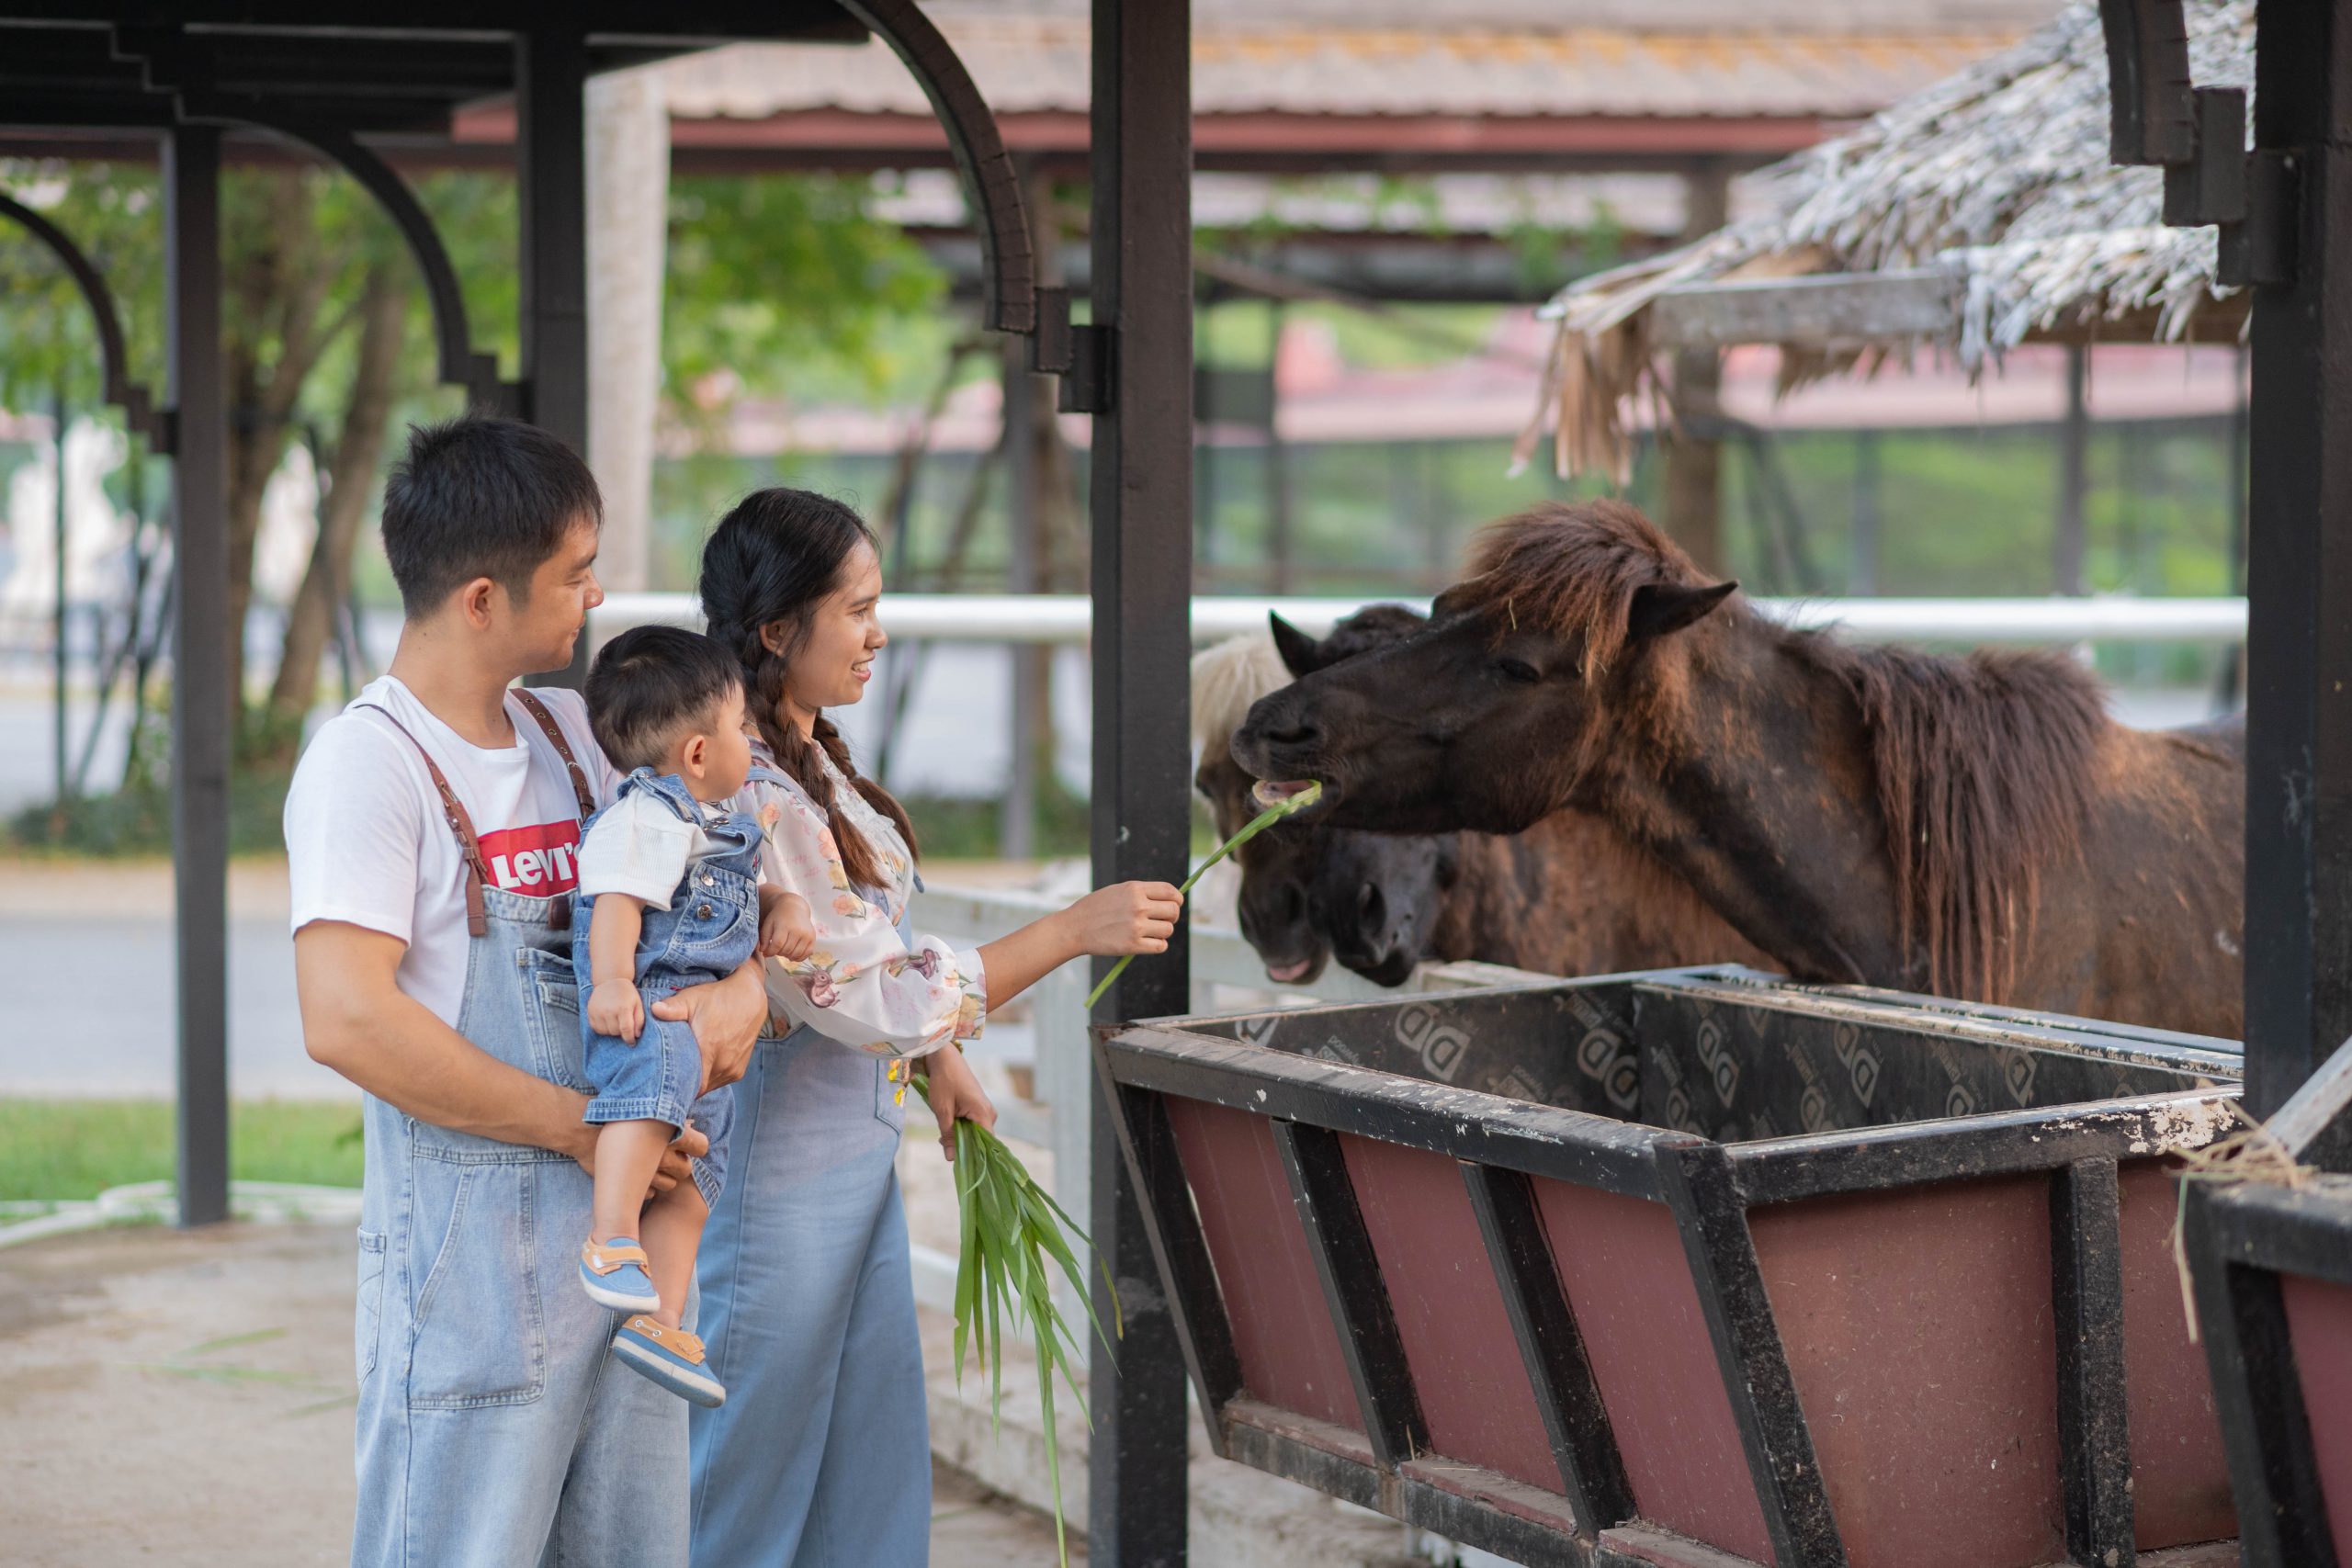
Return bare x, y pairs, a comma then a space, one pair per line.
89, 947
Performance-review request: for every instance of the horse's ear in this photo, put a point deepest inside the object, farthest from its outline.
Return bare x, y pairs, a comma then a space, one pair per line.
1660, 608
1302, 655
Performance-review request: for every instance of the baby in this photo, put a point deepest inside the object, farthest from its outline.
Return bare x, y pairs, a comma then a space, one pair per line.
669, 898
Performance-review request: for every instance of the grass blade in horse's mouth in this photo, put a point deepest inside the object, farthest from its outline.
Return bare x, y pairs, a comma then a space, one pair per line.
1275, 794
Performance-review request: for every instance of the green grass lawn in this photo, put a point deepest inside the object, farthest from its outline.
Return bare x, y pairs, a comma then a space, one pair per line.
57, 1149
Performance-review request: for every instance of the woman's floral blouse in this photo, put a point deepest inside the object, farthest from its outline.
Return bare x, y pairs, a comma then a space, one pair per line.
861, 985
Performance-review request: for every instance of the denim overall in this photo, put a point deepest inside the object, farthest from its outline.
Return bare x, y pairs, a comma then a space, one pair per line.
708, 932
494, 1428
821, 1457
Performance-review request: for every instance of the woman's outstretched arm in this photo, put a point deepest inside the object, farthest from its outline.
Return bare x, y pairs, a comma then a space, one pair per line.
1127, 917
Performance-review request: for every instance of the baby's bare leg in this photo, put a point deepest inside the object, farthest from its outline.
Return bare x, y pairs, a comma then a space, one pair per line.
673, 1235
628, 1154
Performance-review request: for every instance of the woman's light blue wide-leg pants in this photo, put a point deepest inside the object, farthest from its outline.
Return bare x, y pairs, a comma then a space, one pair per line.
821, 1457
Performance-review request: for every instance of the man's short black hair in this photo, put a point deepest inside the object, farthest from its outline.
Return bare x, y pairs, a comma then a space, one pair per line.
652, 684
480, 496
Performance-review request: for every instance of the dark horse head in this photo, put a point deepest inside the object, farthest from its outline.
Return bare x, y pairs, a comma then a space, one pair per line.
1375, 898
1308, 894
1483, 717
1275, 867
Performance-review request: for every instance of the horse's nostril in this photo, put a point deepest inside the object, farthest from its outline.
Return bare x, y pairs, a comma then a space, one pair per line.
1372, 911
1296, 734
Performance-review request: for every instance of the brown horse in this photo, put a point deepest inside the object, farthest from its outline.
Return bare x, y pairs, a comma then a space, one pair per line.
1974, 827
1568, 896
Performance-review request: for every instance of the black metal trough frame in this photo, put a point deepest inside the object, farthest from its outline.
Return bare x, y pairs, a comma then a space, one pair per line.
1709, 1187
2240, 1240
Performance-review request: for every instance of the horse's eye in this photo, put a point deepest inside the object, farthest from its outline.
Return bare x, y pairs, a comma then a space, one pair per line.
1519, 670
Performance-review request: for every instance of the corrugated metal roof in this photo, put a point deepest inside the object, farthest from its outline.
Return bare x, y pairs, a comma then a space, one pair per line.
1306, 57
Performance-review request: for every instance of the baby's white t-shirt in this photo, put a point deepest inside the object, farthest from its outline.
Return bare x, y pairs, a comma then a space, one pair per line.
642, 848
366, 842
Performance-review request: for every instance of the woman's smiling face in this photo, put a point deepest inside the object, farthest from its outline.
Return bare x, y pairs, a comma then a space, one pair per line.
834, 659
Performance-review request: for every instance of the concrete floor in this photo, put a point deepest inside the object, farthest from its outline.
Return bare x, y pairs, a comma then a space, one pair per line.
185, 1398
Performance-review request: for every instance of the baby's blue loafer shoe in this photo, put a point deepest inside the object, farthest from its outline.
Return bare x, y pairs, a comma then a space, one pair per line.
672, 1358
613, 1273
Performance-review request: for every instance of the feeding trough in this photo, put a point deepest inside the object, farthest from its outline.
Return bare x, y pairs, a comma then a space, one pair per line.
2273, 1261
1693, 1269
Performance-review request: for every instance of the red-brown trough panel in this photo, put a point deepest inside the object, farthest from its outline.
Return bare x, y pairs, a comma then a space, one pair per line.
1282, 1327
2181, 1476
2319, 1326
1466, 1367
1919, 1329
1629, 1284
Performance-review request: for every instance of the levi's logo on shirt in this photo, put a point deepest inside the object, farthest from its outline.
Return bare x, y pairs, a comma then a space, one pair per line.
537, 862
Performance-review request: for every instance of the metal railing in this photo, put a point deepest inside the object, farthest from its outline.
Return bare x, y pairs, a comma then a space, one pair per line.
1069, 618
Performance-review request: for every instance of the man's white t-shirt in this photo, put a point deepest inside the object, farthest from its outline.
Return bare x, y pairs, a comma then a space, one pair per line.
366, 842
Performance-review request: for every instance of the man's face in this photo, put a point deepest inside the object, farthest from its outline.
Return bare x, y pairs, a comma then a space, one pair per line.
541, 629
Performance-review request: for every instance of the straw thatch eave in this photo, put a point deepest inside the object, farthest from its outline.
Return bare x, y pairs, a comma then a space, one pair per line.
1972, 217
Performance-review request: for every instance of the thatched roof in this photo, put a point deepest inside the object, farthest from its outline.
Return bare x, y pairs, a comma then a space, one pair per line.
1978, 214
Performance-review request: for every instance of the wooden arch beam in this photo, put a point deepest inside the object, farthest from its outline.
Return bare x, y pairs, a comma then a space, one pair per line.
137, 404
460, 364
1009, 291
2152, 117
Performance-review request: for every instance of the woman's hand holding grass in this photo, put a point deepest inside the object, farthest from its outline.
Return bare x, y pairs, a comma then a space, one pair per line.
954, 1093
1124, 919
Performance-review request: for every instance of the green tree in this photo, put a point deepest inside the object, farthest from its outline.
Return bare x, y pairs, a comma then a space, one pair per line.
775, 284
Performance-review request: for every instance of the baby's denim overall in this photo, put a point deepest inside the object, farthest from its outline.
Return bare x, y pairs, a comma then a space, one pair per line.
708, 932
821, 1456
494, 1428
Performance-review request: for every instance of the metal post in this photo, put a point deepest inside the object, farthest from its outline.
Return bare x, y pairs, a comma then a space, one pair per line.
2073, 444
551, 158
2299, 575
1142, 158
203, 707
1279, 510
1862, 548
58, 417
1693, 498
1029, 432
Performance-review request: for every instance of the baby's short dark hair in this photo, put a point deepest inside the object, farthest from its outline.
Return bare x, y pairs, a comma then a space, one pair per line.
652, 684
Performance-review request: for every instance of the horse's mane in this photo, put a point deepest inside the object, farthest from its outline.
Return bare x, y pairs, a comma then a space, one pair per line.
1982, 764
1227, 678
1984, 767
1572, 570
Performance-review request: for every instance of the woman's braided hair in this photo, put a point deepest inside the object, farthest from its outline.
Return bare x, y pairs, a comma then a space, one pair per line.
770, 561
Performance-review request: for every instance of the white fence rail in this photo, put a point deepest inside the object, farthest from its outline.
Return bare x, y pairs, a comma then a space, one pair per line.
1227, 977
1069, 618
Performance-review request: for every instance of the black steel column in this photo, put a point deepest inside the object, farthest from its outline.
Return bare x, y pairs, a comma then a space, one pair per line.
551, 170
1142, 291
2074, 480
203, 708
2299, 572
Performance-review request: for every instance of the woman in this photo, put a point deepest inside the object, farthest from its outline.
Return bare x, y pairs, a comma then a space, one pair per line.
821, 1455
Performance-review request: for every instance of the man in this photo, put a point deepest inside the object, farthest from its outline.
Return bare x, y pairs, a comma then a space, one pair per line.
431, 833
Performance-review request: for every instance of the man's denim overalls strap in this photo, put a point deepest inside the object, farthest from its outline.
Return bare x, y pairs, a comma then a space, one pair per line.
494, 1430
821, 1456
